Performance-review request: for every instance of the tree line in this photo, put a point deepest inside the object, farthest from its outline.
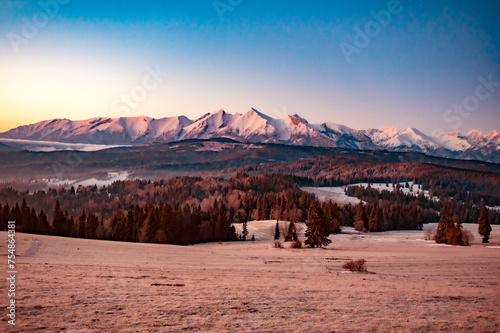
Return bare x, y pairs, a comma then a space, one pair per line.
187, 210
429, 206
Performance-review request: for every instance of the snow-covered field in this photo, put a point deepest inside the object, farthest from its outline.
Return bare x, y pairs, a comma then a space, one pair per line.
111, 177
412, 188
337, 194
96, 286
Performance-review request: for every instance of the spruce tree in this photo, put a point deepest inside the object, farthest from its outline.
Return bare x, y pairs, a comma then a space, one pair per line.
375, 222
316, 232
445, 222
484, 228
42, 226
361, 220
58, 220
244, 233
81, 225
70, 227
131, 224
277, 231
120, 229
4, 217
150, 228
91, 226
291, 234
454, 234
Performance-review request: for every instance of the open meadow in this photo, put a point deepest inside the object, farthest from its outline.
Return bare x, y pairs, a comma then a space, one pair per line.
411, 285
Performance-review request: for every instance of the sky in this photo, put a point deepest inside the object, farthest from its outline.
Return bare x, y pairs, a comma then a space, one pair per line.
433, 65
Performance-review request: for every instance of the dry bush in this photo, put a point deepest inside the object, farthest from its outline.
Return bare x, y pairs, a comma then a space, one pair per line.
467, 237
296, 244
278, 245
355, 265
429, 234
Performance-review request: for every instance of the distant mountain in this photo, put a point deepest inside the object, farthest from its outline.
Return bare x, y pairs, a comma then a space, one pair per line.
256, 127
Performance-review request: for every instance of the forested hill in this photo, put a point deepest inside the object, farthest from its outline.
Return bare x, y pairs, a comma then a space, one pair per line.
224, 157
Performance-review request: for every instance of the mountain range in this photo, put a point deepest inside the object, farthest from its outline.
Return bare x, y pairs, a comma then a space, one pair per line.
256, 127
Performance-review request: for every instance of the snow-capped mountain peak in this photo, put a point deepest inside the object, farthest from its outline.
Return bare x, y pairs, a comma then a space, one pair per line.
255, 126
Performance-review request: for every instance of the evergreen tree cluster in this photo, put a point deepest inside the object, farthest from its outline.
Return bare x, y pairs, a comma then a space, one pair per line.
374, 218
450, 231
428, 207
186, 210
181, 210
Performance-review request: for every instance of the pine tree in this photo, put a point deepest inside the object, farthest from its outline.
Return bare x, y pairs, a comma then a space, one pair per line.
150, 227
445, 222
244, 234
291, 234
91, 226
70, 227
131, 224
81, 225
4, 217
59, 220
454, 235
484, 228
120, 229
42, 226
277, 231
315, 233
361, 220
375, 222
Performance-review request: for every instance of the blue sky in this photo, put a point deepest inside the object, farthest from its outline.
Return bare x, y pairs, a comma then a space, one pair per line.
280, 57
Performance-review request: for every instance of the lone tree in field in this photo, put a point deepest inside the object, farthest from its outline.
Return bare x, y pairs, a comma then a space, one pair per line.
291, 234
484, 225
277, 231
445, 223
244, 233
316, 231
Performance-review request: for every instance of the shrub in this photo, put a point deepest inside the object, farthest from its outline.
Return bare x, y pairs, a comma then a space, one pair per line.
296, 244
278, 245
467, 237
355, 265
429, 234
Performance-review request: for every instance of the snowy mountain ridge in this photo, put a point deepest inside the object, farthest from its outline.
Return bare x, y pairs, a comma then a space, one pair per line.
256, 127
